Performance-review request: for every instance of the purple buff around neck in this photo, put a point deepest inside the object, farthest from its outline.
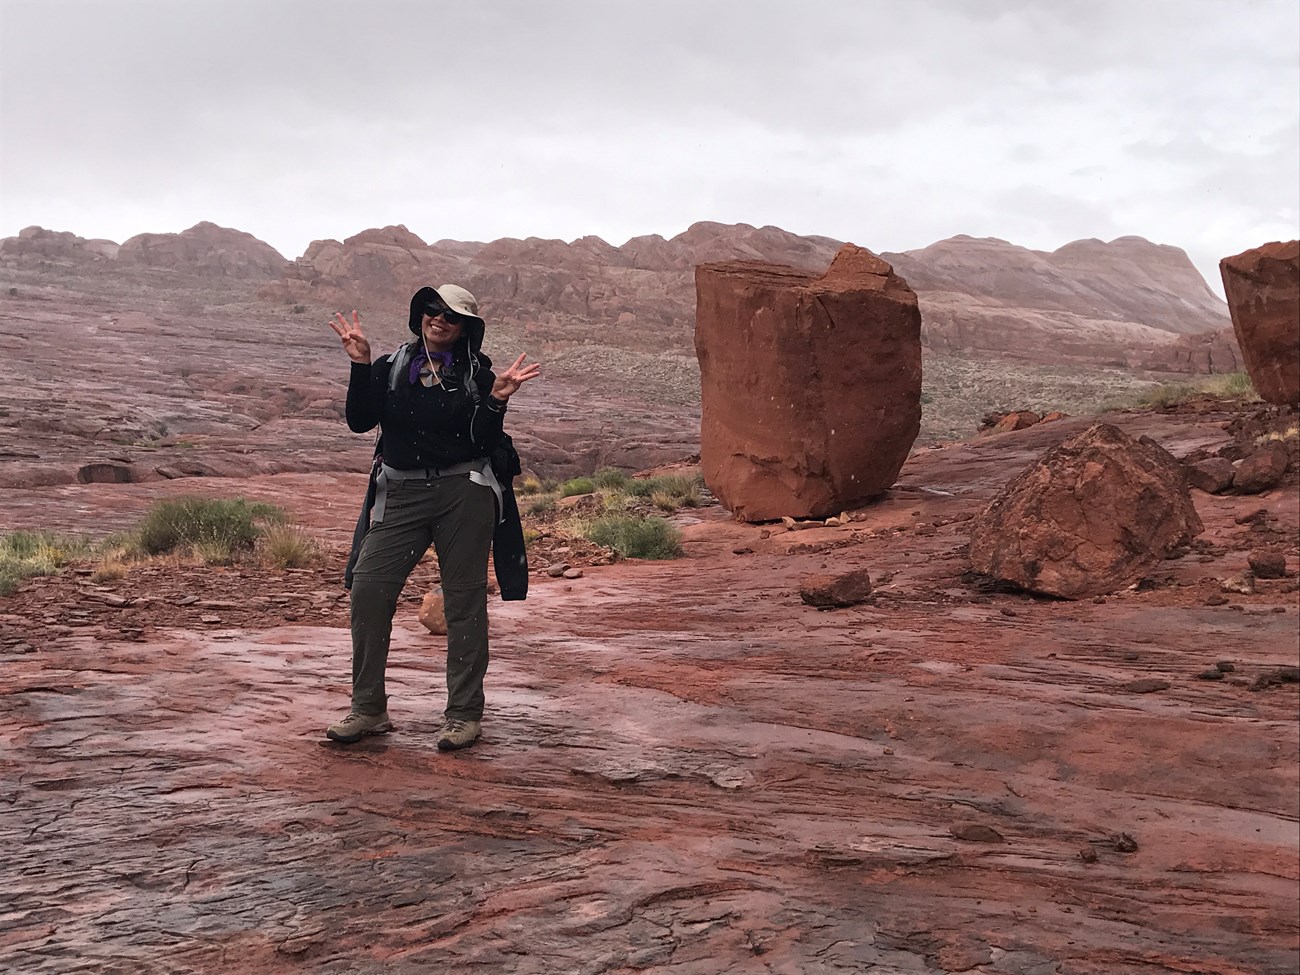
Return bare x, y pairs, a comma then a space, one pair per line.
424, 354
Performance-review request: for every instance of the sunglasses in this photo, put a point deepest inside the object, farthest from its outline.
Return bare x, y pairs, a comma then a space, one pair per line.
450, 317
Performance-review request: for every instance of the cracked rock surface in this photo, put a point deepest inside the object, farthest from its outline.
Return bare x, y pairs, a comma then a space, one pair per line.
684, 769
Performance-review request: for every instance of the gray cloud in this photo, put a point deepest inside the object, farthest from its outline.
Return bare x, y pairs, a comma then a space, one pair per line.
888, 123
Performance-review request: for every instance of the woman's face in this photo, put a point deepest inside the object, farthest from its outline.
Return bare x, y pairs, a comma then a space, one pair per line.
441, 331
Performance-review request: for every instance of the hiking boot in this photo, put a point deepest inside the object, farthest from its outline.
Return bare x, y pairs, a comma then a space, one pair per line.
356, 726
457, 734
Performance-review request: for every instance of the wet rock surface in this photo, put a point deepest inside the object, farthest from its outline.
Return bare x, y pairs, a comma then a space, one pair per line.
684, 769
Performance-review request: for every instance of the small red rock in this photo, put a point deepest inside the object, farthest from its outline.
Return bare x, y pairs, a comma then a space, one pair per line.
844, 589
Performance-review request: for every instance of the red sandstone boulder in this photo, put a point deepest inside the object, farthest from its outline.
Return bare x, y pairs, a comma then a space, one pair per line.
1213, 475
1269, 564
1263, 289
1089, 517
1262, 469
810, 386
1016, 420
831, 590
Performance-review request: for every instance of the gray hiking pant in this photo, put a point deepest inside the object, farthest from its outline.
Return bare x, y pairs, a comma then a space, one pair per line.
458, 516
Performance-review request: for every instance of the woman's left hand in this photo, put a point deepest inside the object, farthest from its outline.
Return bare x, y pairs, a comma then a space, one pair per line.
508, 382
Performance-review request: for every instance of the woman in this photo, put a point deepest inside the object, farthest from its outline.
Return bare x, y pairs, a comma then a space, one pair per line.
440, 410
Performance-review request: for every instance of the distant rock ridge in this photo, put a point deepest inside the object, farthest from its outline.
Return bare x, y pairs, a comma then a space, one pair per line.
1124, 303
54, 245
1129, 279
204, 250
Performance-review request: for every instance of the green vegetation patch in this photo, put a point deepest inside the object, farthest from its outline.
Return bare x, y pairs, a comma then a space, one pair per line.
609, 478
27, 554
1233, 385
577, 485
215, 528
667, 491
634, 537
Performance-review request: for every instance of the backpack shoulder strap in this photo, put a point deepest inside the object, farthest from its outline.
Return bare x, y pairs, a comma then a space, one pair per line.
398, 362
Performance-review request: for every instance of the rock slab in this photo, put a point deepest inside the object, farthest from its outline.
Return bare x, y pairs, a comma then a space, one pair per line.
810, 386
828, 590
1263, 289
1089, 517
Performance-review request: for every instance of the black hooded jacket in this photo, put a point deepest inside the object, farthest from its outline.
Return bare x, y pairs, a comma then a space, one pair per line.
467, 424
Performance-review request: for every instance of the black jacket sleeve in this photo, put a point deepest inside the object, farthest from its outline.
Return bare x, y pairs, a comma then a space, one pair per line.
367, 384
489, 414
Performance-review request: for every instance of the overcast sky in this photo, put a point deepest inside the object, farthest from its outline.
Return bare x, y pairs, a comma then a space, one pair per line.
891, 123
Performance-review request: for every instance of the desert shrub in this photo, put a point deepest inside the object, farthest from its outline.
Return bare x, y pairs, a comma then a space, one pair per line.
213, 528
542, 504
679, 484
288, 546
27, 554
615, 501
110, 568
609, 478
576, 485
683, 489
664, 501
1290, 433
528, 485
1167, 394
210, 551
1236, 384
634, 537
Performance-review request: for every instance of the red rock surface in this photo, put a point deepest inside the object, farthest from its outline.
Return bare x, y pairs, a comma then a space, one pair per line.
738, 782
1263, 289
1089, 517
810, 386
199, 381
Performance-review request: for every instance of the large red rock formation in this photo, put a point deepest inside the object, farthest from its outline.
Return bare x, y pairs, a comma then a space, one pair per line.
1128, 280
37, 243
811, 386
1089, 517
1203, 353
1263, 289
206, 249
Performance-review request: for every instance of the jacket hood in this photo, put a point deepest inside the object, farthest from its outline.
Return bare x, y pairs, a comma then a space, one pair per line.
472, 335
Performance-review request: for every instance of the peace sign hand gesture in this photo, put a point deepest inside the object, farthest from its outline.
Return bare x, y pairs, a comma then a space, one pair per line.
507, 383
355, 344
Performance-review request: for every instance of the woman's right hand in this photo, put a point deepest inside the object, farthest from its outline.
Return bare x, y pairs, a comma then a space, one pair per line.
355, 344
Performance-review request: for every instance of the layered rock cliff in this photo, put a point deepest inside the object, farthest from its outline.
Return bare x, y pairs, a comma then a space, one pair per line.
1126, 303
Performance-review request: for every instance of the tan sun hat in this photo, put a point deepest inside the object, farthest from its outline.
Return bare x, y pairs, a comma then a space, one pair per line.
459, 300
